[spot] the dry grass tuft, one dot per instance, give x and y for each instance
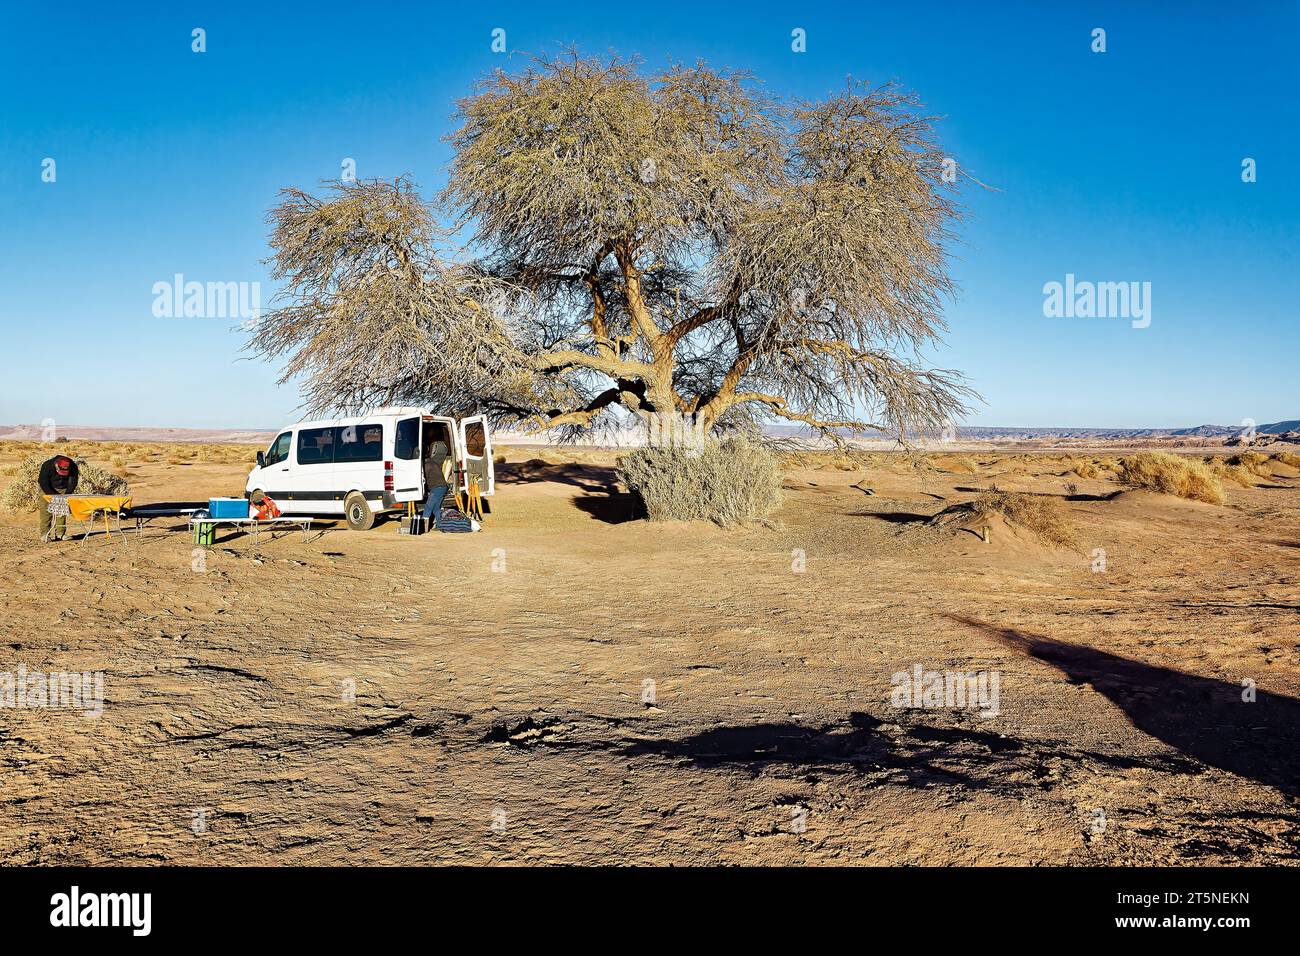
(1287, 458)
(1236, 473)
(1171, 475)
(1252, 461)
(728, 482)
(1041, 514)
(1086, 469)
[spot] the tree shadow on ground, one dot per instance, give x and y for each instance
(916, 755)
(1079, 496)
(893, 517)
(1203, 718)
(593, 478)
(604, 500)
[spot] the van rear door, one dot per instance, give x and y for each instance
(476, 453)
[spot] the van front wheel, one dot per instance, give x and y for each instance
(360, 517)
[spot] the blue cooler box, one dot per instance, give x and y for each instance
(228, 507)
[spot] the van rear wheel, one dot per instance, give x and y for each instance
(359, 515)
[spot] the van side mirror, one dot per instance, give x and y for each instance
(261, 459)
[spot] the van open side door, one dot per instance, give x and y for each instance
(436, 428)
(475, 453)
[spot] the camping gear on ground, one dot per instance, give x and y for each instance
(473, 506)
(412, 522)
(228, 507)
(264, 507)
(85, 508)
(453, 521)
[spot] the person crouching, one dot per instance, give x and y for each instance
(58, 477)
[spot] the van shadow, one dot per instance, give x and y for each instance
(1203, 718)
(603, 499)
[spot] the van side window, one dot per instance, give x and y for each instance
(316, 446)
(279, 450)
(406, 444)
(359, 442)
(475, 439)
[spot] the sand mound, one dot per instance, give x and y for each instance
(965, 528)
(1136, 500)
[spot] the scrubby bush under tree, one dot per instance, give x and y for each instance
(24, 492)
(729, 481)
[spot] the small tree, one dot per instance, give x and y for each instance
(673, 244)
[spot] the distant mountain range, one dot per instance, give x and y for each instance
(968, 432)
(1197, 431)
(1012, 433)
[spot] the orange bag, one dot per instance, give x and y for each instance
(265, 509)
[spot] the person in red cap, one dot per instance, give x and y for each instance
(58, 477)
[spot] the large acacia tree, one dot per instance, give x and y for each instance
(676, 243)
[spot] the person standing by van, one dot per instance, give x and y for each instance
(437, 478)
(58, 477)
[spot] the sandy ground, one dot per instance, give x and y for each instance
(572, 687)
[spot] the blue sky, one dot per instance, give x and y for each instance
(1115, 166)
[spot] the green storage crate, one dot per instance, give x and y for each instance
(205, 534)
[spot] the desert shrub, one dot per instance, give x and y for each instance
(1171, 475)
(728, 482)
(1252, 461)
(1086, 469)
(24, 492)
(1287, 458)
(1239, 474)
(1041, 514)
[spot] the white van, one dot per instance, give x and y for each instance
(359, 467)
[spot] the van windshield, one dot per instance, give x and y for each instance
(279, 450)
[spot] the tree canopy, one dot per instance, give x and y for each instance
(671, 243)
